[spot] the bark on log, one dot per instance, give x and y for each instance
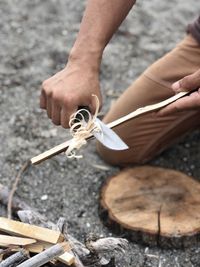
(15, 259)
(152, 205)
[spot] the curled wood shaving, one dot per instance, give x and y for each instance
(82, 124)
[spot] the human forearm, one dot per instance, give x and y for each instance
(72, 87)
(100, 21)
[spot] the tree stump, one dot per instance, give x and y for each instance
(152, 205)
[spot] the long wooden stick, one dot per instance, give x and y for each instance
(16, 258)
(47, 255)
(62, 147)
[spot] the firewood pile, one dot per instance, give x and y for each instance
(35, 241)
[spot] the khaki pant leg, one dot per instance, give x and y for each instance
(148, 135)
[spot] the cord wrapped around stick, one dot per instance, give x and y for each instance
(82, 123)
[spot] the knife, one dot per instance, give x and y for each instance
(108, 137)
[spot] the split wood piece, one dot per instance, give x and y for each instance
(6, 240)
(15, 259)
(48, 255)
(63, 147)
(18, 228)
(153, 205)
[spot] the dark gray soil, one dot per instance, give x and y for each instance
(36, 37)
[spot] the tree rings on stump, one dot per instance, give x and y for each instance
(152, 205)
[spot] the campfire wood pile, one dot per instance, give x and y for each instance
(35, 241)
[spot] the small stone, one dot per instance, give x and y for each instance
(44, 197)
(88, 224)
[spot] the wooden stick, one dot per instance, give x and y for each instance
(62, 147)
(16, 258)
(31, 231)
(14, 188)
(6, 240)
(47, 255)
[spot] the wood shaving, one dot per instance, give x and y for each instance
(82, 128)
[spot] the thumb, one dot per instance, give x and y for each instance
(188, 83)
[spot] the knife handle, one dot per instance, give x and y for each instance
(84, 110)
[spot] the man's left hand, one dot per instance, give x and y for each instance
(192, 101)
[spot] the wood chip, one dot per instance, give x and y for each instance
(22, 229)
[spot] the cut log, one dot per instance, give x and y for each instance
(152, 205)
(6, 240)
(31, 231)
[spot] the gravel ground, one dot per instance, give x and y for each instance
(36, 37)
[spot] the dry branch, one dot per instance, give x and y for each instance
(14, 188)
(47, 255)
(16, 258)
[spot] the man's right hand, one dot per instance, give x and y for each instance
(74, 86)
(69, 89)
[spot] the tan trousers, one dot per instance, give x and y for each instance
(148, 135)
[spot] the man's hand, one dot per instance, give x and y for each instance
(67, 90)
(72, 87)
(188, 83)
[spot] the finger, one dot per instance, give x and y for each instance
(189, 82)
(65, 116)
(49, 106)
(55, 113)
(43, 100)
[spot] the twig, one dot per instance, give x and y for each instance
(45, 256)
(16, 258)
(14, 187)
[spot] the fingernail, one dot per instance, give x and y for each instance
(176, 86)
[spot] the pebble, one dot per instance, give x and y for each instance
(44, 197)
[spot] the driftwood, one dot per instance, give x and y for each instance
(63, 147)
(15, 259)
(88, 255)
(46, 256)
(152, 205)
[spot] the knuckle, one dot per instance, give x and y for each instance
(46, 89)
(45, 84)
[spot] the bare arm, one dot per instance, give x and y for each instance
(72, 87)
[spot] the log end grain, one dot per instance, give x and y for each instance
(152, 205)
